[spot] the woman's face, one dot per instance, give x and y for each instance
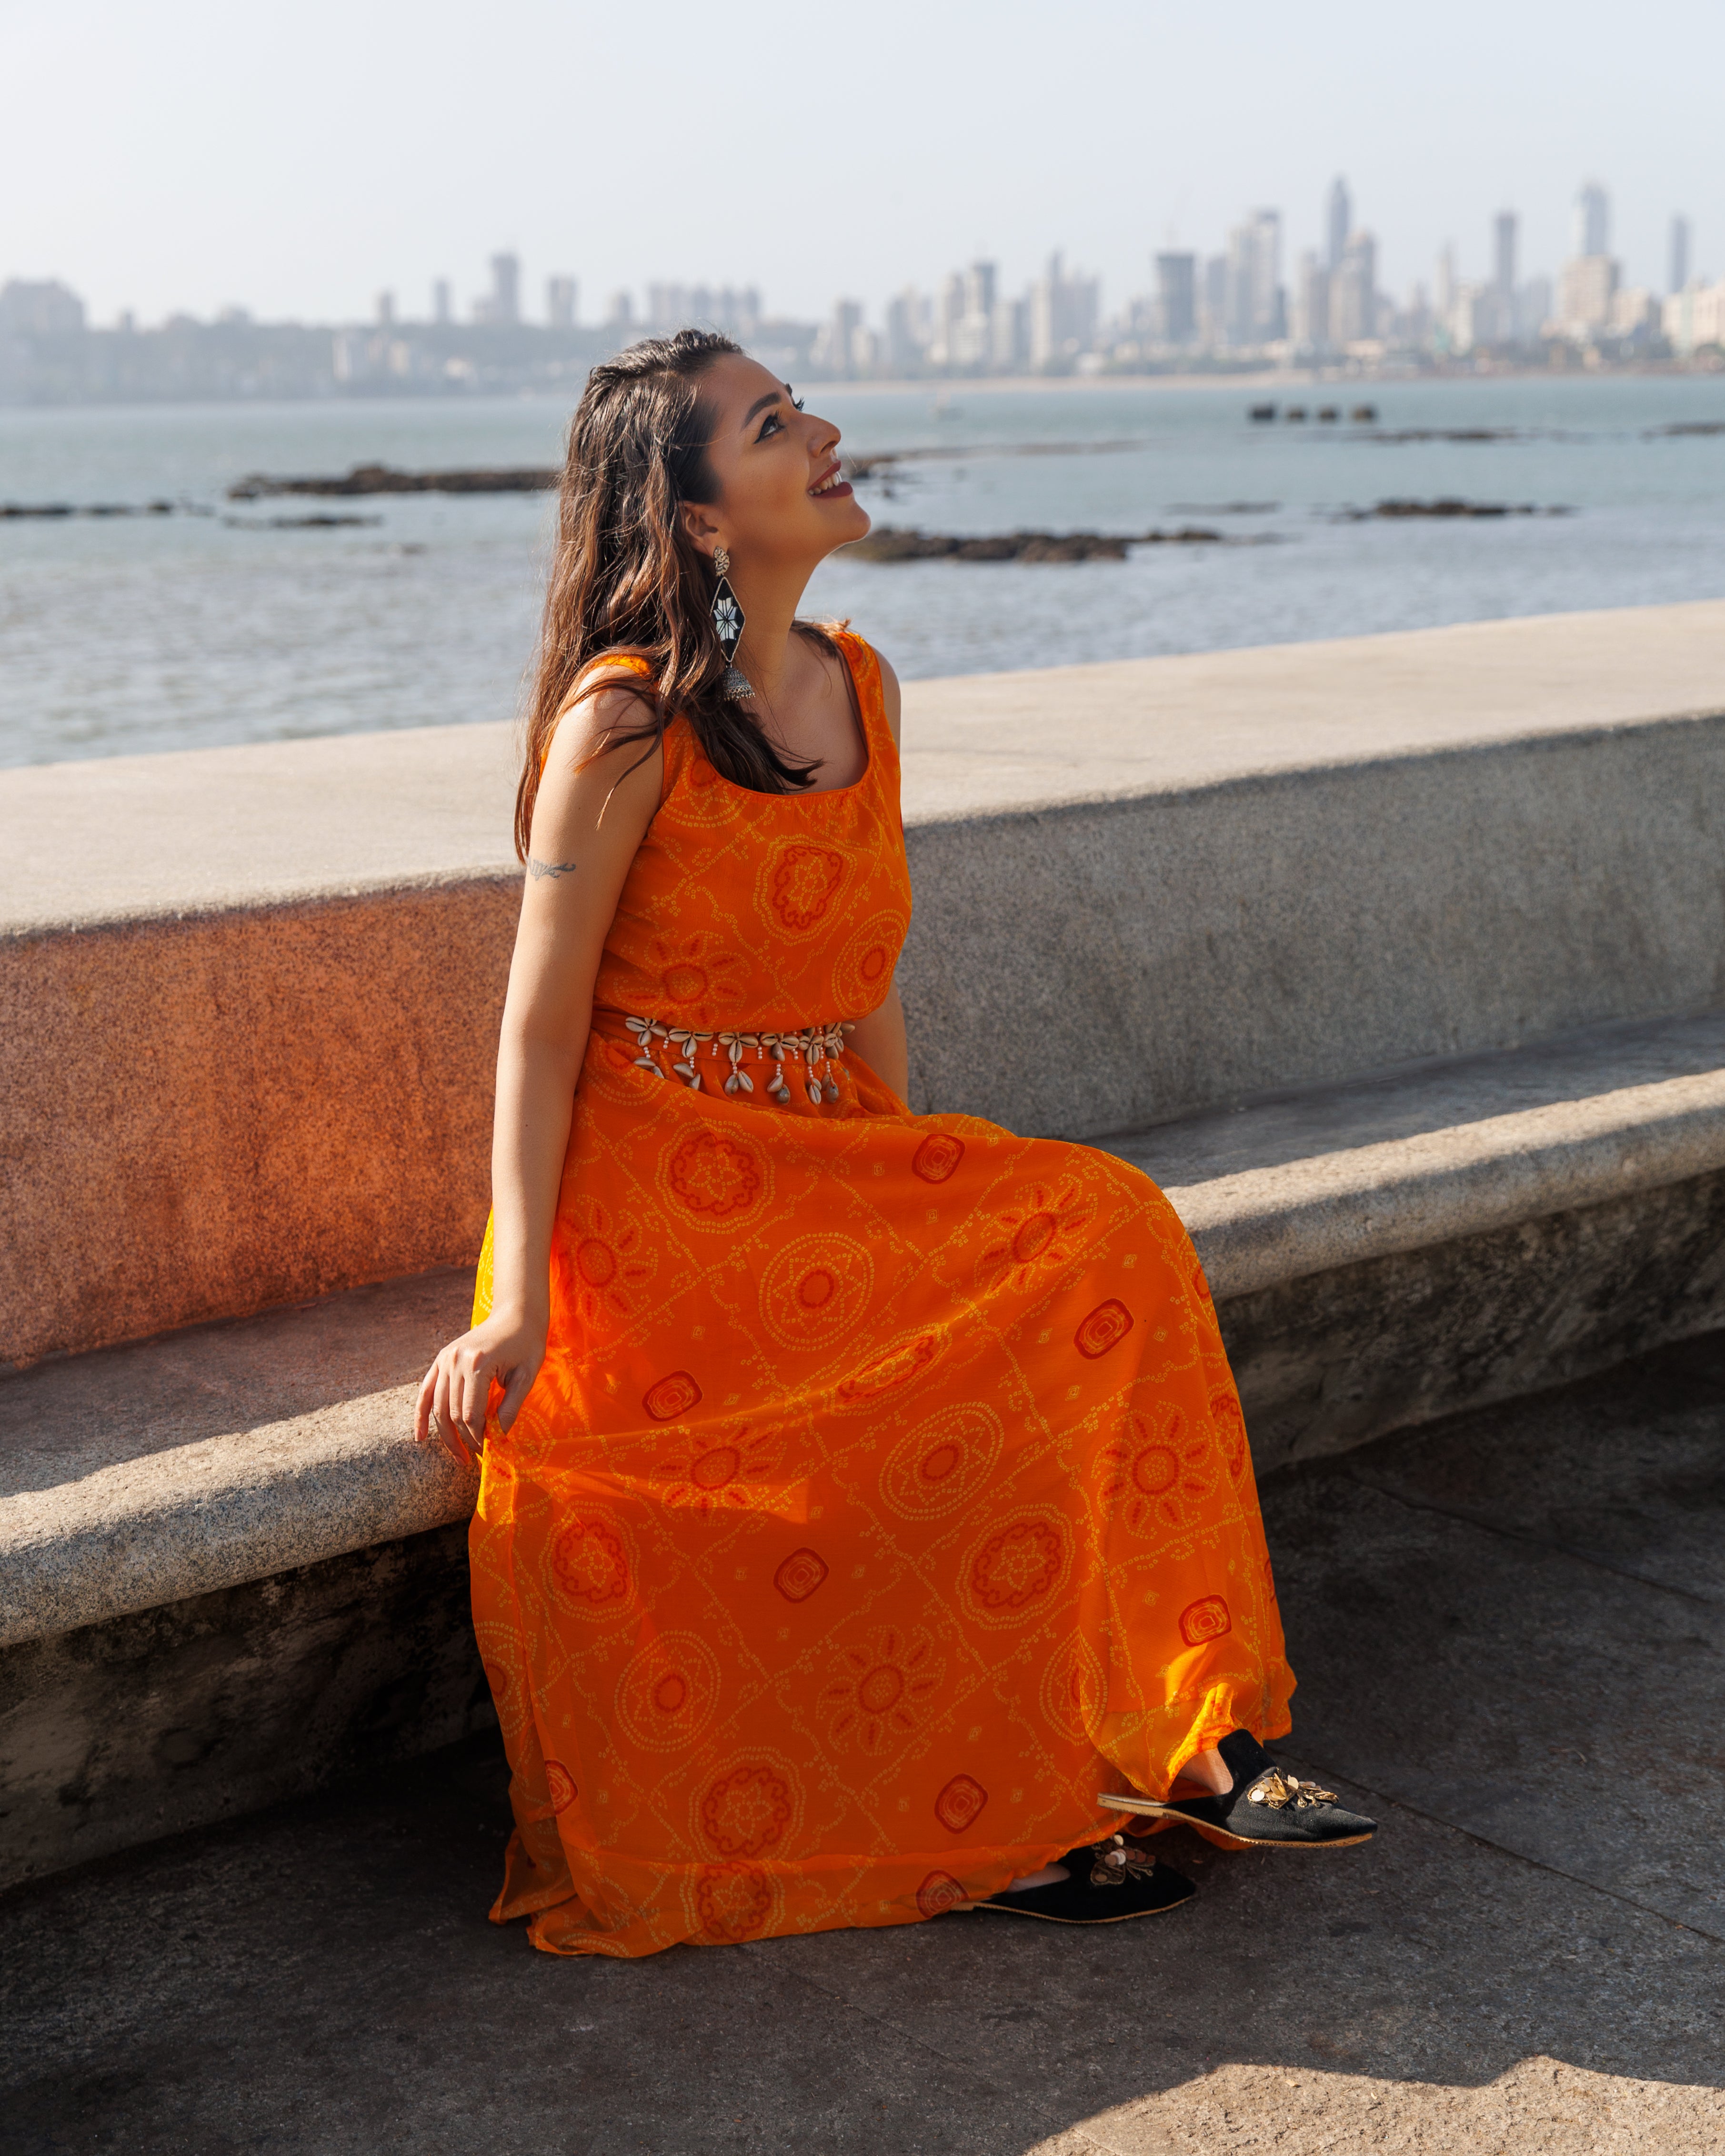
(782, 504)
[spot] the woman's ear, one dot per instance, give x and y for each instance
(701, 525)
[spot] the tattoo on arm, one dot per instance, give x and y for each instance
(538, 869)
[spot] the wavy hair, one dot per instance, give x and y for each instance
(627, 581)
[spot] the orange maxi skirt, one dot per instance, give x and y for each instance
(885, 1497)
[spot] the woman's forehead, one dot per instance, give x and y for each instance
(740, 382)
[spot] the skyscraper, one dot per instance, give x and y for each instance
(1338, 220)
(1255, 307)
(505, 301)
(1592, 226)
(1176, 298)
(1503, 255)
(440, 308)
(560, 302)
(1353, 291)
(1677, 261)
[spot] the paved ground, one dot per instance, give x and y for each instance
(1510, 1630)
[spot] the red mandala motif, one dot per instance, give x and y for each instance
(498, 1679)
(888, 1681)
(716, 1175)
(672, 1395)
(937, 1156)
(747, 1811)
(909, 1359)
(804, 884)
(559, 1785)
(801, 1572)
(1018, 1566)
(939, 1892)
(588, 1564)
(1207, 1619)
(683, 984)
(1106, 1326)
(733, 1900)
(959, 1805)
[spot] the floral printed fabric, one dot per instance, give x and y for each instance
(885, 1495)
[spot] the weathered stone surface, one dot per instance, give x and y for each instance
(228, 1073)
(203, 1709)
(142, 1476)
(321, 1979)
(1330, 1359)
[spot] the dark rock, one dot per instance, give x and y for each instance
(385, 479)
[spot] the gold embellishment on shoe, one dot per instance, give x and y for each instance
(1279, 1791)
(818, 1048)
(1118, 1860)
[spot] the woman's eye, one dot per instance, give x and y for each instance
(772, 424)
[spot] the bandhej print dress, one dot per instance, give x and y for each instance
(885, 1495)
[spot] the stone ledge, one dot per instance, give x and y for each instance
(144, 1474)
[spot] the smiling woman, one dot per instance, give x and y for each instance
(866, 1518)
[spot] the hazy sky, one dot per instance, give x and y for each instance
(295, 160)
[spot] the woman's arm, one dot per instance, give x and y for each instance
(585, 835)
(880, 1038)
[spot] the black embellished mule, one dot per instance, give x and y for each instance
(1266, 1807)
(1107, 1883)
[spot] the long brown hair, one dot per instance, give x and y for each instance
(628, 582)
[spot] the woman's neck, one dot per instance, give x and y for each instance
(764, 655)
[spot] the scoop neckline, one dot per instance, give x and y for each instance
(810, 793)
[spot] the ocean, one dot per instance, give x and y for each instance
(211, 626)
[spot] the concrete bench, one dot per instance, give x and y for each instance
(225, 1575)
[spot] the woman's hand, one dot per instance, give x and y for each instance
(456, 1393)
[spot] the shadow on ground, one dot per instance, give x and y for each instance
(1509, 1630)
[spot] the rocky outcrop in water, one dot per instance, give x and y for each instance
(890, 545)
(385, 479)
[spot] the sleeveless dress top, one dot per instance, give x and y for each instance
(884, 1495)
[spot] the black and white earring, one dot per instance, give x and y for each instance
(727, 626)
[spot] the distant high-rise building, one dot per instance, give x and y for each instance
(1353, 291)
(1504, 228)
(1677, 258)
(1309, 328)
(837, 348)
(386, 311)
(560, 302)
(1444, 285)
(1212, 302)
(974, 336)
(502, 305)
(1591, 226)
(906, 330)
(1338, 220)
(1176, 298)
(1586, 289)
(619, 311)
(1009, 335)
(1063, 315)
(441, 310)
(1254, 294)
(948, 314)
(44, 309)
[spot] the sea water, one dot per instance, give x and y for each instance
(214, 625)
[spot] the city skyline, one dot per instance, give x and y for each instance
(211, 159)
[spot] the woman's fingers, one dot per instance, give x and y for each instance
(422, 1406)
(443, 1409)
(517, 1385)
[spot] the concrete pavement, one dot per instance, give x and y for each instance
(1510, 1632)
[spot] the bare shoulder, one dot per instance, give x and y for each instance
(889, 694)
(602, 754)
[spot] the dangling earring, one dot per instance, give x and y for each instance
(728, 619)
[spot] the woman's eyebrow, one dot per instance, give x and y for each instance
(761, 403)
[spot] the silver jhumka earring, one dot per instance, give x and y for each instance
(728, 620)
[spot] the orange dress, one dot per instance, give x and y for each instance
(885, 1495)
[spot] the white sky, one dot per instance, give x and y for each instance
(294, 160)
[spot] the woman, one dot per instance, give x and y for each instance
(867, 1521)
